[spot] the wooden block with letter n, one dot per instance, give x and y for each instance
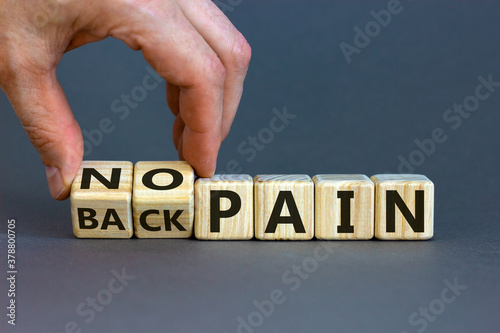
(344, 206)
(284, 207)
(224, 207)
(163, 199)
(101, 195)
(404, 207)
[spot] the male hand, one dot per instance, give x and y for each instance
(190, 43)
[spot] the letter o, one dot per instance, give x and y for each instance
(471, 103)
(310, 268)
(139, 93)
(41, 19)
(177, 179)
(440, 305)
(101, 294)
(268, 133)
(413, 157)
(259, 319)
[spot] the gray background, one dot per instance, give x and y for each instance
(351, 118)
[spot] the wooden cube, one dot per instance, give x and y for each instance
(284, 207)
(344, 207)
(101, 197)
(224, 207)
(404, 207)
(163, 199)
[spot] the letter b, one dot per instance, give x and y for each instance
(266, 307)
(383, 17)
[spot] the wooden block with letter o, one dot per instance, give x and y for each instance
(404, 207)
(101, 195)
(343, 207)
(284, 207)
(163, 199)
(224, 207)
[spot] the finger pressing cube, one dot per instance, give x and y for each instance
(163, 199)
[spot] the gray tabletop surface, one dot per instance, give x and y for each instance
(363, 116)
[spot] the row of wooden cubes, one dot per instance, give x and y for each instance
(163, 200)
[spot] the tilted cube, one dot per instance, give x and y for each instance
(101, 200)
(163, 199)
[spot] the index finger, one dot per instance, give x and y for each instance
(181, 56)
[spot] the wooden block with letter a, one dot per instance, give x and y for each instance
(344, 207)
(163, 199)
(224, 207)
(284, 207)
(101, 195)
(404, 207)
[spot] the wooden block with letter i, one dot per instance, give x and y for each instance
(224, 207)
(404, 207)
(101, 197)
(284, 207)
(344, 207)
(163, 199)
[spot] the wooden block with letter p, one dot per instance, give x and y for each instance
(284, 207)
(101, 197)
(344, 207)
(163, 199)
(224, 207)
(404, 207)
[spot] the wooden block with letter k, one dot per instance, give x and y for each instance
(163, 199)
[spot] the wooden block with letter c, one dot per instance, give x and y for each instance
(163, 199)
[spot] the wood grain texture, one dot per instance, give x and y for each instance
(99, 198)
(239, 226)
(405, 185)
(178, 200)
(328, 206)
(267, 189)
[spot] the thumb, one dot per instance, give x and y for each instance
(43, 109)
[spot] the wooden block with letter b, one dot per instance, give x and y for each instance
(284, 207)
(101, 195)
(344, 207)
(224, 207)
(404, 207)
(163, 199)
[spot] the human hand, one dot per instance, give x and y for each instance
(190, 43)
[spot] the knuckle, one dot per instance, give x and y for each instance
(241, 53)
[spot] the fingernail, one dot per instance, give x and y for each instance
(55, 181)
